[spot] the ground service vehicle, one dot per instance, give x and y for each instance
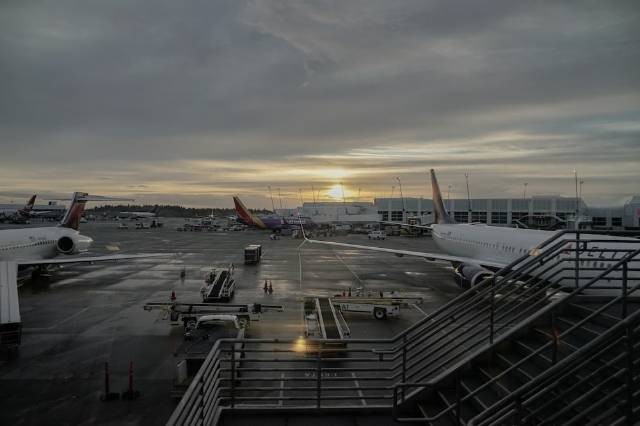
(252, 254)
(377, 235)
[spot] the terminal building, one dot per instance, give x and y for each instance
(335, 212)
(544, 212)
(540, 211)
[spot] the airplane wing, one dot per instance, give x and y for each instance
(433, 257)
(88, 259)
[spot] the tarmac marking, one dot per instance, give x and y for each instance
(69, 318)
(420, 310)
(360, 394)
(300, 268)
(348, 268)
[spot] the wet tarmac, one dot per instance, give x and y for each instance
(91, 314)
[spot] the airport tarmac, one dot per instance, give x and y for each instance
(91, 314)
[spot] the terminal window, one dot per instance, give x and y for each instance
(616, 221)
(461, 217)
(479, 217)
(599, 221)
(383, 215)
(396, 216)
(498, 217)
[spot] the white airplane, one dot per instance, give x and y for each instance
(140, 215)
(43, 246)
(478, 250)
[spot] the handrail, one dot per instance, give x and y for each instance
(562, 365)
(524, 323)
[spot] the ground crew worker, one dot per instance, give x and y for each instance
(381, 294)
(266, 287)
(270, 288)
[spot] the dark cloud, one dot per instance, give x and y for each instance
(136, 91)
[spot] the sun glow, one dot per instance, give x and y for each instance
(336, 192)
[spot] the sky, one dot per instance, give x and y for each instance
(191, 102)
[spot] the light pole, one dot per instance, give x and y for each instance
(402, 197)
(466, 178)
(577, 218)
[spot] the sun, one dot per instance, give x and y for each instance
(335, 192)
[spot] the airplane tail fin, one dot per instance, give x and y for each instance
(246, 215)
(441, 215)
(72, 216)
(29, 206)
(31, 202)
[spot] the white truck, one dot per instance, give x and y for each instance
(377, 235)
(379, 311)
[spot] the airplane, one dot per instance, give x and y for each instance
(43, 247)
(16, 215)
(141, 215)
(272, 221)
(477, 250)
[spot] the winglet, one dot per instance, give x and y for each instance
(438, 205)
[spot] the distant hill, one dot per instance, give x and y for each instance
(162, 210)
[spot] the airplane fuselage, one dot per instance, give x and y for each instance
(502, 245)
(41, 243)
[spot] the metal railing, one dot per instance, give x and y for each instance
(550, 348)
(276, 374)
(608, 366)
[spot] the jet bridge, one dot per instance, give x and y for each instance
(10, 322)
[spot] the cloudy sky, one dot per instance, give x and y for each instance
(193, 101)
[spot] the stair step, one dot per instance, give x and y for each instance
(483, 399)
(525, 372)
(467, 411)
(603, 319)
(505, 384)
(590, 328)
(607, 417)
(430, 409)
(526, 348)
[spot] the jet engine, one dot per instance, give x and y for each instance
(469, 275)
(73, 244)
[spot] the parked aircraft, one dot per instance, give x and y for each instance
(140, 215)
(271, 221)
(42, 247)
(18, 215)
(477, 250)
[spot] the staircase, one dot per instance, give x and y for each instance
(580, 368)
(494, 355)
